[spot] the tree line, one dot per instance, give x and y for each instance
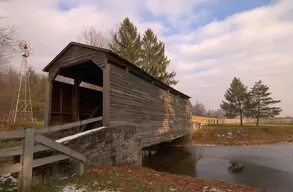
(9, 80)
(199, 109)
(255, 103)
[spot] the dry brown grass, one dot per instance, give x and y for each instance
(247, 135)
(140, 179)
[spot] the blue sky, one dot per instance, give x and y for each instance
(208, 41)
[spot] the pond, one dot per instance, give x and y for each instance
(266, 167)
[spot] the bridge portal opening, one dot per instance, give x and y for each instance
(77, 94)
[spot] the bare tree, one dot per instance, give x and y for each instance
(199, 109)
(94, 37)
(8, 41)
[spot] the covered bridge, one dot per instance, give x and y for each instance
(101, 83)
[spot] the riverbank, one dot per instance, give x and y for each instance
(247, 135)
(138, 179)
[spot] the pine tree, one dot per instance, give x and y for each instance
(153, 59)
(126, 42)
(236, 97)
(260, 102)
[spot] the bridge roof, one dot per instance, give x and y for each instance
(138, 71)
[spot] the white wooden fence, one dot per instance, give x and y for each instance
(34, 141)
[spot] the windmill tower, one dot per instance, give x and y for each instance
(21, 108)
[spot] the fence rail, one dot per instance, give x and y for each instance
(199, 119)
(34, 141)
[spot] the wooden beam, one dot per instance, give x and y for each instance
(19, 185)
(11, 151)
(48, 103)
(106, 94)
(76, 100)
(39, 148)
(61, 104)
(59, 147)
(80, 167)
(67, 126)
(48, 160)
(27, 171)
(14, 168)
(12, 135)
(91, 116)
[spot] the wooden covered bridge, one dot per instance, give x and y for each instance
(110, 110)
(101, 83)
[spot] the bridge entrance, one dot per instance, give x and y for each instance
(77, 94)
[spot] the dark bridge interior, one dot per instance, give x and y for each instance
(79, 96)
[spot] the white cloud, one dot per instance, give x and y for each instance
(252, 45)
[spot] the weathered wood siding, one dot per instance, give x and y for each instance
(158, 114)
(75, 55)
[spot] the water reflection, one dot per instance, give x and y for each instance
(219, 164)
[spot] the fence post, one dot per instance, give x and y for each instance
(80, 167)
(27, 166)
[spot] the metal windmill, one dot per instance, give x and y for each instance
(21, 107)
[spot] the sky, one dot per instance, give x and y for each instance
(209, 42)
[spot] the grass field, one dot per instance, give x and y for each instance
(249, 134)
(39, 124)
(237, 126)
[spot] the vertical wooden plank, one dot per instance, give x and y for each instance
(76, 100)
(61, 105)
(28, 159)
(48, 103)
(80, 168)
(106, 93)
(76, 116)
(20, 173)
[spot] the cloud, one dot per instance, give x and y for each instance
(255, 44)
(252, 45)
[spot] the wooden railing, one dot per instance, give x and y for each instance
(33, 141)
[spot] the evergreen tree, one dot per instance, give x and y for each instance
(236, 97)
(260, 102)
(126, 42)
(154, 60)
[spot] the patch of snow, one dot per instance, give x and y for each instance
(202, 145)
(213, 189)
(9, 182)
(71, 137)
(7, 177)
(73, 188)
